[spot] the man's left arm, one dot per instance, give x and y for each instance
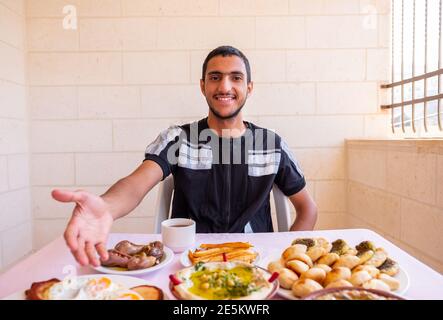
(306, 211)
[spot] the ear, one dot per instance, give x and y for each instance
(250, 88)
(202, 86)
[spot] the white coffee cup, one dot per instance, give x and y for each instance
(178, 234)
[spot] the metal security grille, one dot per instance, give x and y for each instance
(416, 90)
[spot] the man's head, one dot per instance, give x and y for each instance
(226, 81)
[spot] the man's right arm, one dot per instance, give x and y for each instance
(126, 194)
(92, 217)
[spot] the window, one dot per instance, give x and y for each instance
(416, 88)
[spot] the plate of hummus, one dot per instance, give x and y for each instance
(232, 280)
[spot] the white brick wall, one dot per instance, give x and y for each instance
(135, 135)
(253, 7)
(53, 102)
(326, 65)
(99, 94)
(48, 35)
(15, 199)
(75, 68)
(71, 136)
(57, 169)
(104, 168)
(85, 8)
(14, 96)
(109, 102)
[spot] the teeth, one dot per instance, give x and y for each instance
(225, 99)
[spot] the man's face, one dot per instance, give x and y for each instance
(225, 86)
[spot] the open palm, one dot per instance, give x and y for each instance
(89, 226)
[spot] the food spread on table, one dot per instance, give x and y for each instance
(130, 256)
(311, 264)
(223, 281)
(309, 267)
(228, 251)
(94, 288)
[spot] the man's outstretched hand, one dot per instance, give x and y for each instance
(89, 226)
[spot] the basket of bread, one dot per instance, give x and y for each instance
(312, 264)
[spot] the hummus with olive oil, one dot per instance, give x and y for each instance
(223, 281)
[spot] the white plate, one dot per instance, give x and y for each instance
(266, 273)
(166, 259)
(401, 276)
(128, 282)
(184, 259)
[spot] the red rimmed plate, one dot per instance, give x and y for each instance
(268, 275)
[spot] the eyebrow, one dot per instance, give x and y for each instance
(232, 73)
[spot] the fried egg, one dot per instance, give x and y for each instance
(91, 289)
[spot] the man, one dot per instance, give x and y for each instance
(223, 168)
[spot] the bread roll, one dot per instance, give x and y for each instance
(316, 274)
(339, 283)
(302, 257)
(337, 273)
(352, 252)
(360, 277)
(275, 266)
(393, 283)
(325, 244)
(316, 252)
(390, 267)
(324, 267)
(365, 256)
(376, 284)
(287, 278)
(296, 248)
(297, 266)
(378, 258)
(348, 261)
(303, 287)
(328, 259)
(373, 271)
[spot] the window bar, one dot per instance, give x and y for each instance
(402, 66)
(416, 78)
(426, 67)
(413, 67)
(439, 66)
(392, 65)
(416, 101)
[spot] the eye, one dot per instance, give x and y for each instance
(237, 78)
(214, 77)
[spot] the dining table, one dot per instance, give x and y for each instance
(55, 260)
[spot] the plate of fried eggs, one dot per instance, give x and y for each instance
(88, 287)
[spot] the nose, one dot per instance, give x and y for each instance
(224, 85)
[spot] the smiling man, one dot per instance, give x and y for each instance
(224, 169)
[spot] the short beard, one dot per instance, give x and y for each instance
(230, 116)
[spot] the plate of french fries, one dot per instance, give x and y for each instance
(218, 252)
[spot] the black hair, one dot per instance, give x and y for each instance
(225, 51)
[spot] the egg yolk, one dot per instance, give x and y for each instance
(99, 284)
(129, 296)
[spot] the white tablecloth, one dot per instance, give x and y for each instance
(56, 261)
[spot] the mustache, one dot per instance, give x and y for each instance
(229, 116)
